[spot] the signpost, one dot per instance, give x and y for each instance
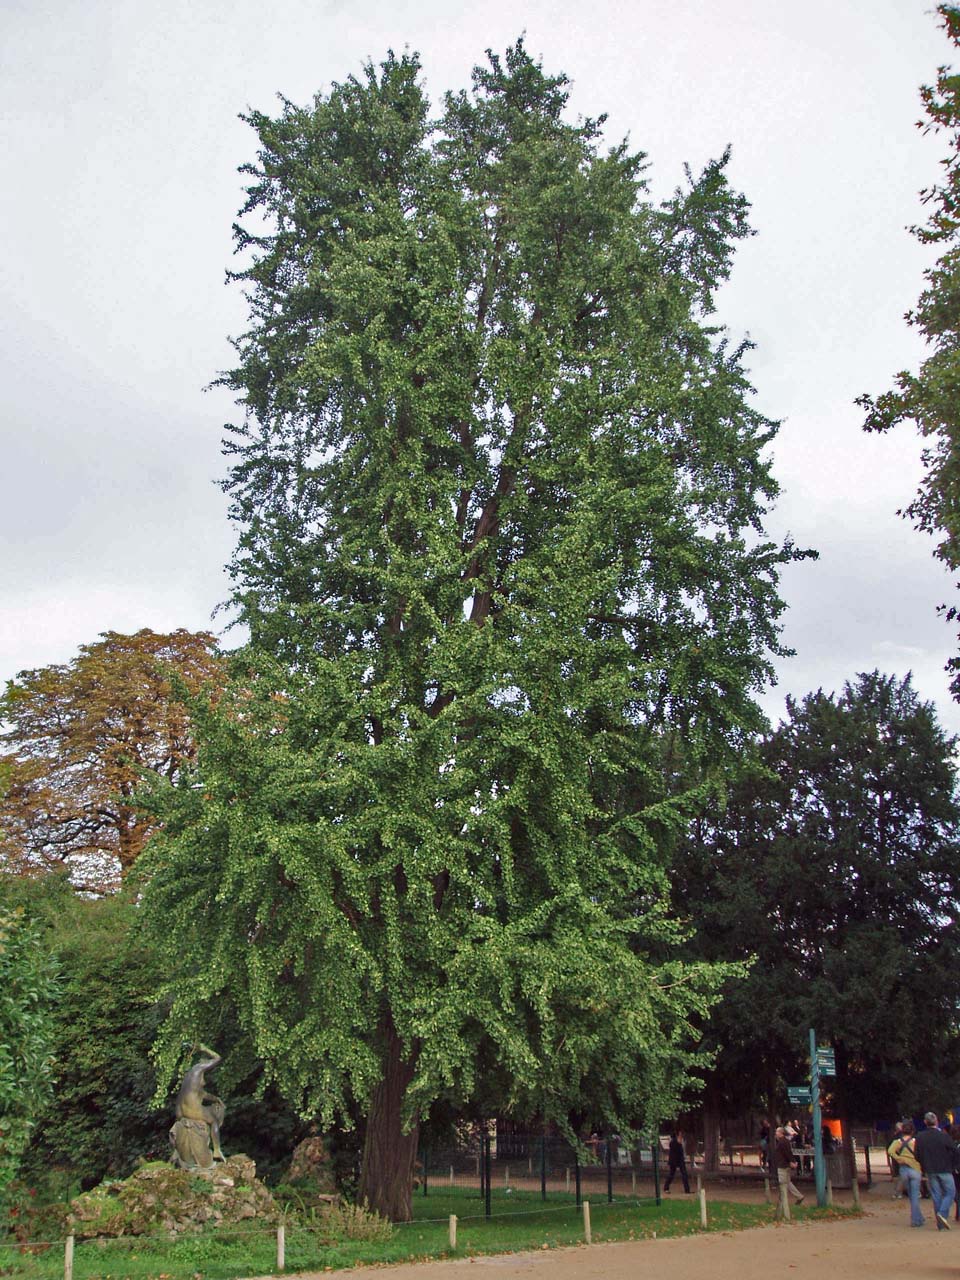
(798, 1095)
(822, 1062)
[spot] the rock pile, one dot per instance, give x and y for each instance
(161, 1199)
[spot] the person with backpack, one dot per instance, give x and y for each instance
(937, 1153)
(903, 1155)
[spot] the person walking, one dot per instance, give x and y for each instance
(894, 1168)
(903, 1156)
(783, 1158)
(677, 1161)
(954, 1132)
(936, 1152)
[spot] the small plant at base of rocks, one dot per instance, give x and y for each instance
(354, 1222)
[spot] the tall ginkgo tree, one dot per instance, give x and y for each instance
(499, 492)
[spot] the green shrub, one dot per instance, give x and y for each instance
(28, 991)
(354, 1222)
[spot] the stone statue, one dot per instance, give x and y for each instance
(199, 1117)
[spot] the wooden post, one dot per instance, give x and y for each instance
(703, 1205)
(68, 1259)
(587, 1235)
(568, 1179)
(281, 1247)
(506, 1176)
(633, 1182)
(829, 1193)
(855, 1188)
(766, 1190)
(453, 1231)
(451, 1175)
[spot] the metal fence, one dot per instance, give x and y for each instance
(497, 1164)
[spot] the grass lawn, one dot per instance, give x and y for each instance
(520, 1220)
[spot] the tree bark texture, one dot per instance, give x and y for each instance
(389, 1152)
(711, 1133)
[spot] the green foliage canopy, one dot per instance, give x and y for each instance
(931, 397)
(500, 495)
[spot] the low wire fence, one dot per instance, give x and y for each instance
(488, 1187)
(459, 1227)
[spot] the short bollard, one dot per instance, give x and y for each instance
(829, 1193)
(453, 1231)
(506, 1176)
(703, 1206)
(568, 1179)
(68, 1259)
(451, 1175)
(281, 1247)
(766, 1190)
(633, 1182)
(587, 1235)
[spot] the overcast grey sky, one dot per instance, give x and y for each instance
(121, 143)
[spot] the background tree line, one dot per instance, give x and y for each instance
(829, 866)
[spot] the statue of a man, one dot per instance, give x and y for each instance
(199, 1117)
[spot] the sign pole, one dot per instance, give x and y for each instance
(819, 1166)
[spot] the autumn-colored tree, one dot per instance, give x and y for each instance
(78, 739)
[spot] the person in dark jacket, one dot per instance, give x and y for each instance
(783, 1159)
(937, 1155)
(677, 1161)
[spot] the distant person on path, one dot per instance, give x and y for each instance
(937, 1153)
(894, 1172)
(677, 1161)
(783, 1159)
(764, 1145)
(903, 1156)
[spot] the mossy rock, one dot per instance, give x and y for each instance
(159, 1198)
(311, 1167)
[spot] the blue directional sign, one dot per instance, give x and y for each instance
(826, 1061)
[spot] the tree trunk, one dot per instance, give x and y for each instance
(711, 1132)
(389, 1153)
(842, 1105)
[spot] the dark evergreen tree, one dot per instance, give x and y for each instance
(837, 864)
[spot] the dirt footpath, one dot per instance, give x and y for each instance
(879, 1246)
